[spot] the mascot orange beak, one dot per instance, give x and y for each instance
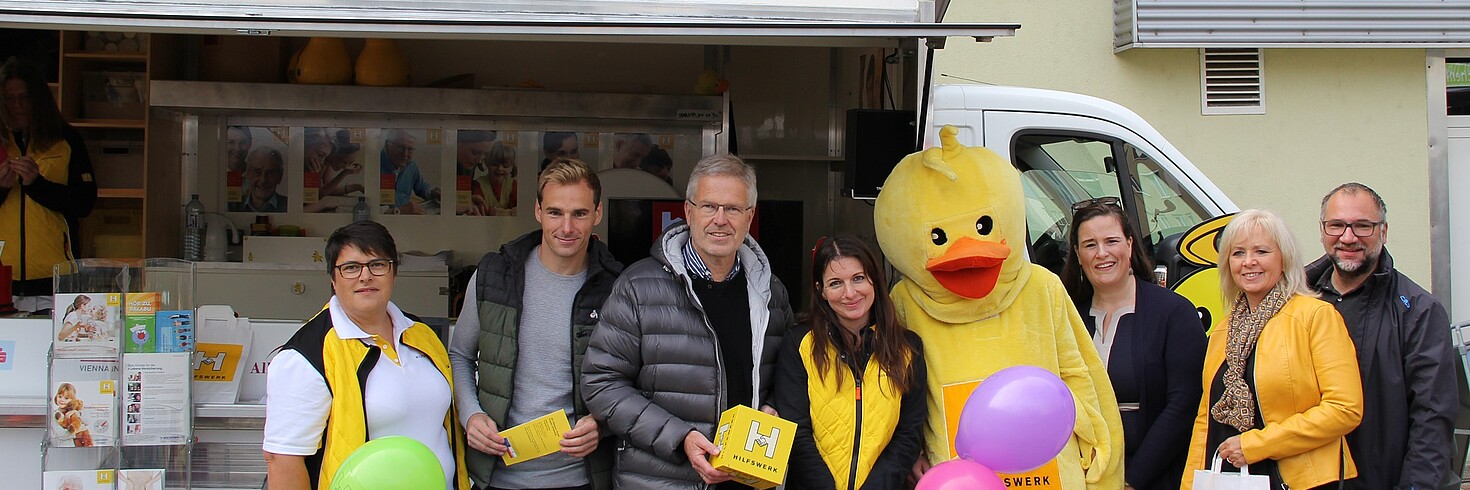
(970, 267)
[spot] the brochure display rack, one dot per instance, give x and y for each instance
(119, 412)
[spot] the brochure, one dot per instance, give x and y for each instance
(139, 321)
(151, 479)
(156, 399)
(86, 324)
(84, 394)
(536, 438)
(175, 329)
(78, 480)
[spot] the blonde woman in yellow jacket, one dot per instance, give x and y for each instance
(1281, 375)
(852, 380)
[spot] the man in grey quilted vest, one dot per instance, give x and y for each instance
(686, 334)
(517, 349)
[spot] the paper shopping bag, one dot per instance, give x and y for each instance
(1214, 479)
(222, 345)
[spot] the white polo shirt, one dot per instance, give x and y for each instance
(409, 398)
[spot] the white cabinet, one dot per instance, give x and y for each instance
(296, 292)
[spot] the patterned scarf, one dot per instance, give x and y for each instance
(1237, 406)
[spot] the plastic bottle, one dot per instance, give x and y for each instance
(360, 211)
(194, 229)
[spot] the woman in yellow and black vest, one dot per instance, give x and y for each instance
(361, 369)
(45, 183)
(852, 380)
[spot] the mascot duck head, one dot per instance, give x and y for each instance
(951, 219)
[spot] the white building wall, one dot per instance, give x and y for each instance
(1332, 115)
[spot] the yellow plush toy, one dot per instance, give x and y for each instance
(951, 219)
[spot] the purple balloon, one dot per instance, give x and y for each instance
(1016, 420)
(959, 474)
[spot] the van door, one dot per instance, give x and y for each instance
(1066, 159)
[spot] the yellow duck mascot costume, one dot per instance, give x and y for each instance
(952, 220)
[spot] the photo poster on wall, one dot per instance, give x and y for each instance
(408, 170)
(255, 160)
(486, 172)
(653, 153)
(579, 145)
(332, 164)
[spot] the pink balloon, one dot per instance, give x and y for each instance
(1016, 420)
(959, 474)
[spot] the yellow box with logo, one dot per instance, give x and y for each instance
(754, 446)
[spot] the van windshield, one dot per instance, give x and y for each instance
(1049, 197)
(1059, 169)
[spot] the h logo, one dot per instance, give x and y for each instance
(216, 363)
(755, 438)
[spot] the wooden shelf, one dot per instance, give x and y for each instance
(109, 123)
(119, 224)
(120, 193)
(133, 56)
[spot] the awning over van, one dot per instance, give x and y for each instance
(741, 22)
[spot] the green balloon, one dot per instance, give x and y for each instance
(393, 462)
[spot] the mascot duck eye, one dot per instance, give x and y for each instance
(950, 219)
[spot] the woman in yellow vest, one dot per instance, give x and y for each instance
(852, 379)
(359, 370)
(45, 184)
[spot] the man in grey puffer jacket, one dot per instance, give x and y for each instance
(687, 333)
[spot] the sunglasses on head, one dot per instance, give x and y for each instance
(1098, 201)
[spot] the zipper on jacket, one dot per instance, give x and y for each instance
(719, 358)
(720, 393)
(857, 433)
(724, 391)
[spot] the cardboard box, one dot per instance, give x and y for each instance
(286, 250)
(113, 232)
(117, 164)
(117, 246)
(114, 95)
(754, 446)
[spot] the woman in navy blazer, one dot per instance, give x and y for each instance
(1150, 338)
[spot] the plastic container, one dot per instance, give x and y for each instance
(218, 230)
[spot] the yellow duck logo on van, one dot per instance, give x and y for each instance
(1202, 287)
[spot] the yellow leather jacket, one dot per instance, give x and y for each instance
(1309, 390)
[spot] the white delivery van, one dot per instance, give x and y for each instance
(1072, 147)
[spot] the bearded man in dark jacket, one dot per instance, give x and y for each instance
(1404, 351)
(686, 334)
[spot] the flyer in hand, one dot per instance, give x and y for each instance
(536, 438)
